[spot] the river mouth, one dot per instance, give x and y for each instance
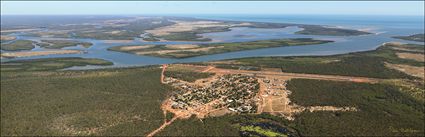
(342, 44)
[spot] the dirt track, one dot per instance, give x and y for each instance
(295, 75)
(164, 66)
(166, 123)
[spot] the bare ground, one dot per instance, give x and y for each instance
(413, 56)
(410, 70)
(7, 38)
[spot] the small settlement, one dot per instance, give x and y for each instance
(235, 92)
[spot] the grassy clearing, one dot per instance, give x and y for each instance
(207, 49)
(113, 102)
(18, 45)
(261, 131)
(58, 44)
(383, 109)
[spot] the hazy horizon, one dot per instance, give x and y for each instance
(397, 8)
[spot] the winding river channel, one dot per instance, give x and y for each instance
(383, 28)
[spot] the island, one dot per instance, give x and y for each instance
(18, 45)
(58, 44)
(329, 31)
(192, 50)
(415, 37)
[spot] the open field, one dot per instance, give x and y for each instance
(415, 37)
(414, 56)
(189, 50)
(410, 70)
(58, 44)
(18, 45)
(38, 53)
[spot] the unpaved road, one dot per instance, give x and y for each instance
(166, 123)
(164, 66)
(296, 75)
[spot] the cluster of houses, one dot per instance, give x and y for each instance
(235, 92)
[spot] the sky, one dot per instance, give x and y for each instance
(211, 7)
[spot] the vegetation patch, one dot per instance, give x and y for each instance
(18, 45)
(58, 44)
(415, 88)
(123, 104)
(382, 109)
(263, 129)
(87, 123)
(321, 30)
(415, 37)
(170, 51)
(49, 64)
